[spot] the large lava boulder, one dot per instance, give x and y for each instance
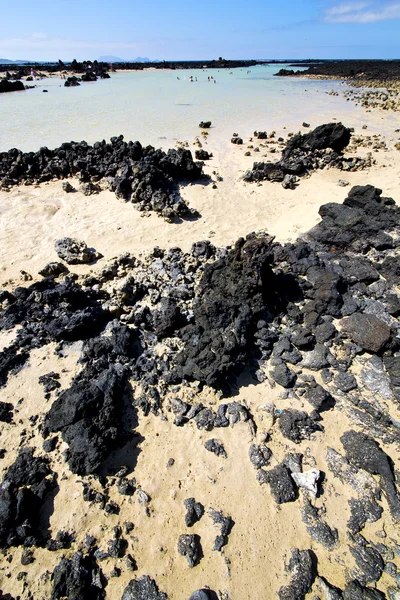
(233, 294)
(11, 86)
(331, 135)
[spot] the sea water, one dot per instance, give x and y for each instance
(161, 107)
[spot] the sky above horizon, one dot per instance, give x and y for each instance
(182, 30)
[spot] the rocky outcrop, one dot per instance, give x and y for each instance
(144, 176)
(26, 489)
(11, 86)
(144, 588)
(77, 578)
(319, 149)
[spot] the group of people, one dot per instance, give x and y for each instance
(209, 79)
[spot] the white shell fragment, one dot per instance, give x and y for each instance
(308, 480)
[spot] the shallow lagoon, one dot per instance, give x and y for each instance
(162, 107)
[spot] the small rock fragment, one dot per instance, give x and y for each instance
(216, 447)
(189, 546)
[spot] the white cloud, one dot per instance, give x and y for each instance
(345, 9)
(362, 12)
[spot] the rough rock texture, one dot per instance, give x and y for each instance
(361, 222)
(296, 425)
(154, 330)
(317, 149)
(90, 414)
(259, 455)
(216, 447)
(281, 484)
(144, 176)
(194, 511)
(364, 453)
(225, 523)
(318, 529)
(190, 547)
(25, 492)
(74, 251)
(355, 591)
(78, 578)
(367, 331)
(233, 294)
(144, 588)
(302, 567)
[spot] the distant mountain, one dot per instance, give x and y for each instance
(116, 59)
(5, 61)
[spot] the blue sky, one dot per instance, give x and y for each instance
(183, 29)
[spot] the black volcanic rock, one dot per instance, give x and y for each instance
(281, 483)
(90, 414)
(190, 547)
(6, 412)
(11, 86)
(303, 569)
(304, 153)
(367, 331)
(144, 588)
(74, 251)
(355, 223)
(332, 135)
(72, 81)
(194, 511)
(233, 294)
(78, 578)
(296, 425)
(364, 453)
(27, 487)
(381, 70)
(144, 176)
(225, 523)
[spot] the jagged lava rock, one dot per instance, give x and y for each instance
(303, 569)
(74, 251)
(233, 293)
(27, 485)
(330, 135)
(78, 578)
(89, 417)
(367, 331)
(364, 453)
(144, 588)
(190, 547)
(281, 484)
(194, 511)
(358, 223)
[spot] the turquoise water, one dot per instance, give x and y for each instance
(157, 108)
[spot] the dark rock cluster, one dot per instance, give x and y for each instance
(373, 70)
(25, 491)
(11, 86)
(144, 176)
(77, 578)
(321, 148)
